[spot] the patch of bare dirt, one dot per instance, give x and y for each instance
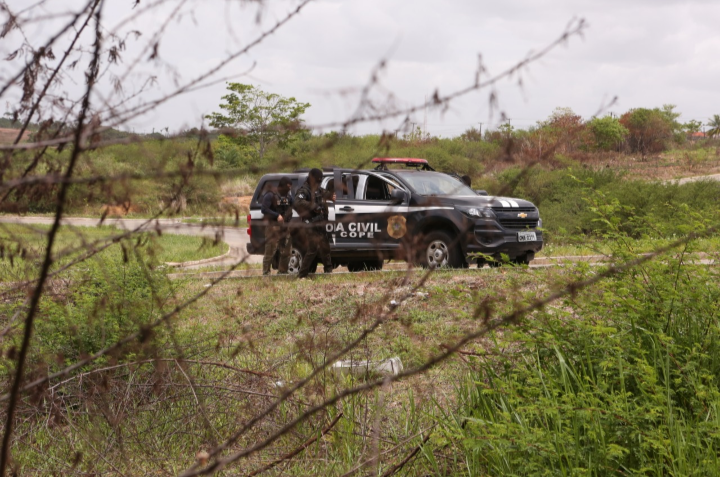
(119, 210)
(239, 204)
(7, 135)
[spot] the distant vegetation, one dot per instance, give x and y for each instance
(552, 164)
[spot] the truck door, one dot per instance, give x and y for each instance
(361, 222)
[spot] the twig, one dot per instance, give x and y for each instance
(393, 449)
(298, 450)
(509, 319)
(47, 262)
(407, 458)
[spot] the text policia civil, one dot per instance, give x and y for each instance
(354, 229)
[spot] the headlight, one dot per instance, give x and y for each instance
(477, 212)
(539, 223)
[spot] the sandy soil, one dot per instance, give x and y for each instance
(7, 136)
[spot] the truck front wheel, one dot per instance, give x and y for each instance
(440, 251)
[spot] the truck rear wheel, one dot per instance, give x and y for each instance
(296, 258)
(441, 251)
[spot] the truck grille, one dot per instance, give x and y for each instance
(514, 209)
(519, 224)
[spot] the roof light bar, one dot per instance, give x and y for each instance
(382, 162)
(399, 160)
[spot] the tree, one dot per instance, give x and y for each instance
(693, 126)
(472, 135)
(562, 132)
(258, 119)
(650, 130)
(607, 134)
(714, 125)
(671, 117)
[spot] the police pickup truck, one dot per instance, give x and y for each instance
(415, 213)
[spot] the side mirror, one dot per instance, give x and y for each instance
(481, 192)
(398, 196)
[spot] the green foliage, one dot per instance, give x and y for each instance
(714, 125)
(193, 193)
(258, 118)
(623, 378)
(607, 133)
(560, 196)
(692, 126)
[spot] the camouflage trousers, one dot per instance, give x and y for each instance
(317, 244)
(276, 237)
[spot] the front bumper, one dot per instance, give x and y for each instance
(495, 241)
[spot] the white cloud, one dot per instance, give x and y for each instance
(646, 52)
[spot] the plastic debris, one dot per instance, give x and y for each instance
(394, 303)
(388, 367)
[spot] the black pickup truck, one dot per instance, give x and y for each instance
(417, 214)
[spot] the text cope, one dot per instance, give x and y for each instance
(353, 229)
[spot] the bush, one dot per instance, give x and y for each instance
(650, 130)
(622, 379)
(608, 134)
(649, 207)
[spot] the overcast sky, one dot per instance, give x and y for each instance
(645, 52)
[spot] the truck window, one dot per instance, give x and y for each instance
(376, 189)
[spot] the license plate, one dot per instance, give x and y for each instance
(527, 237)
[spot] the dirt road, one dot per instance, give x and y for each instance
(237, 239)
(685, 180)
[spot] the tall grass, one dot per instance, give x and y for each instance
(622, 379)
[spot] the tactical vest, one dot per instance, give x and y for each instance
(283, 204)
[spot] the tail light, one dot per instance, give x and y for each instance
(249, 217)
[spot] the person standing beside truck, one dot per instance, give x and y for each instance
(311, 205)
(276, 207)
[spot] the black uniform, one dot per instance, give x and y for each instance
(276, 234)
(313, 210)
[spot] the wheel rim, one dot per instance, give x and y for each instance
(295, 261)
(437, 254)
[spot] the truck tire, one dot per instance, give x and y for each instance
(524, 259)
(441, 251)
(296, 258)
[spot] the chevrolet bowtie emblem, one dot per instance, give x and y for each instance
(522, 215)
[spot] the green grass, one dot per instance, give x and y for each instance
(26, 245)
(285, 327)
(606, 247)
(621, 378)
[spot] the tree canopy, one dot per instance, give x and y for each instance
(254, 119)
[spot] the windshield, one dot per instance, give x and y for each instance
(435, 183)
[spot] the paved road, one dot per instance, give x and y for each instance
(236, 238)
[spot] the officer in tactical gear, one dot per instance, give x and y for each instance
(311, 205)
(276, 207)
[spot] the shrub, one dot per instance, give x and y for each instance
(622, 379)
(608, 134)
(650, 130)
